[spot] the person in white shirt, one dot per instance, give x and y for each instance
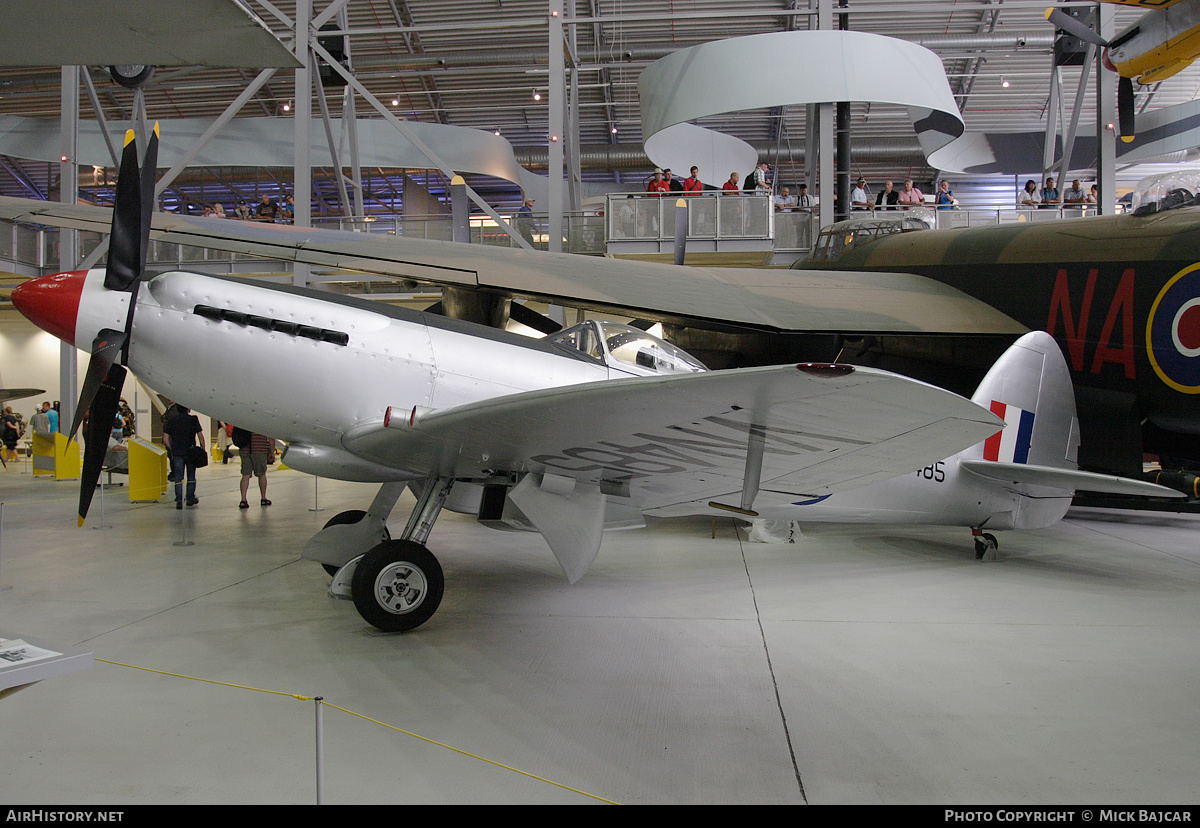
(860, 199)
(804, 200)
(785, 200)
(1075, 195)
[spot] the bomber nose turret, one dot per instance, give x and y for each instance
(52, 302)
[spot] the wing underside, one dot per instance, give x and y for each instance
(722, 298)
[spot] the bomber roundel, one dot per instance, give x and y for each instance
(1173, 332)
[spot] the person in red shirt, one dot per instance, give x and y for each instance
(659, 184)
(691, 184)
(731, 184)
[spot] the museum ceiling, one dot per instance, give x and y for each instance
(480, 64)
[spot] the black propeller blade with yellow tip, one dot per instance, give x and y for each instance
(1084, 32)
(128, 246)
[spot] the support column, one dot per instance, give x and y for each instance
(557, 110)
(825, 132)
(68, 240)
(1106, 121)
(302, 179)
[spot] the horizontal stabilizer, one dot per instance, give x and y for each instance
(1067, 479)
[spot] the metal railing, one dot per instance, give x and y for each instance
(714, 216)
(730, 216)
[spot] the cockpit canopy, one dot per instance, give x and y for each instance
(627, 349)
(1168, 191)
(835, 240)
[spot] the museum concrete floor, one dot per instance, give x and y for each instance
(862, 665)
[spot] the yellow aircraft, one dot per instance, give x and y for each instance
(1163, 42)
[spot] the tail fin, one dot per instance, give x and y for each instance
(1030, 388)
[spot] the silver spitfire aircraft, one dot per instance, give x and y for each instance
(590, 428)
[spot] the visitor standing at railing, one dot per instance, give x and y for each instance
(732, 184)
(911, 196)
(1028, 197)
(525, 220)
(805, 201)
(659, 184)
(672, 183)
(945, 196)
(887, 197)
(860, 196)
(1075, 196)
(785, 200)
(692, 184)
(1050, 195)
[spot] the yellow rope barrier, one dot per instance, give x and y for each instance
(369, 719)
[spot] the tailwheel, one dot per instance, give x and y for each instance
(985, 547)
(397, 586)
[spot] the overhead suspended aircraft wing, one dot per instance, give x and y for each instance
(716, 298)
(667, 441)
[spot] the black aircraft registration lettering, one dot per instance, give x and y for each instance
(672, 454)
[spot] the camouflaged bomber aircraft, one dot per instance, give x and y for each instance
(1120, 294)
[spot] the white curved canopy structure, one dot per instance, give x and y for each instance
(788, 68)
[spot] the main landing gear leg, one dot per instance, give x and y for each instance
(985, 545)
(398, 585)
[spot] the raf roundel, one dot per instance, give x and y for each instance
(1173, 332)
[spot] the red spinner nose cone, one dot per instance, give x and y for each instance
(51, 302)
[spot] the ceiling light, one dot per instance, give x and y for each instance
(395, 101)
(537, 96)
(1004, 82)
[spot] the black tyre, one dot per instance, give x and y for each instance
(131, 77)
(397, 586)
(341, 519)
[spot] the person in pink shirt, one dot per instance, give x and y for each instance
(910, 195)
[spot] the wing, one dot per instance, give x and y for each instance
(716, 298)
(678, 445)
(669, 443)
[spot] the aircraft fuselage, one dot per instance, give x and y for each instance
(306, 369)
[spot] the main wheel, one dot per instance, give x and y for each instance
(342, 519)
(397, 586)
(129, 76)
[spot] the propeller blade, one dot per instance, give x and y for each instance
(1125, 108)
(105, 349)
(101, 416)
(148, 180)
(532, 319)
(124, 253)
(1075, 27)
(680, 229)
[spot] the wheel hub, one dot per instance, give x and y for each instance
(400, 587)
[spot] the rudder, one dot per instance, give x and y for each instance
(1030, 388)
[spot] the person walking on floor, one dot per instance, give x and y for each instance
(257, 452)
